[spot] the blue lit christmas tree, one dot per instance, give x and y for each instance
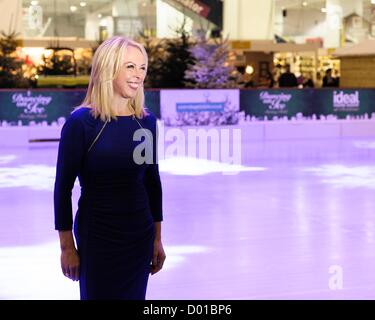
(211, 68)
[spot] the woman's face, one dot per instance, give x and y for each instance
(132, 74)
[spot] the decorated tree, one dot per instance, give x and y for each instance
(58, 61)
(210, 68)
(177, 57)
(11, 73)
(156, 56)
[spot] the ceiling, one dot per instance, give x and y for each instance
(318, 4)
(92, 6)
(295, 4)
(63, 6)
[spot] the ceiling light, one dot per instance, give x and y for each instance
(304, 3)
(73, 8)
(82, 4)
(34, 3)
(324, 10)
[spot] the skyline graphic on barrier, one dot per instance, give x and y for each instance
(197, 107)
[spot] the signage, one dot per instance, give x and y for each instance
(199, 106)
(196, 6)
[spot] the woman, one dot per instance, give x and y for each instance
(118, 222)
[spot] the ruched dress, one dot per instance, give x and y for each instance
(119, 203)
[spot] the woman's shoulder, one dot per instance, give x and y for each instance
(149, 117)
(83, 115)
(81, 112)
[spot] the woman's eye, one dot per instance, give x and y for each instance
(130, 66)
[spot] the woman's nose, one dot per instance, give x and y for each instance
(138, 73)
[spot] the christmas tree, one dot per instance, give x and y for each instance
(156, 56)
(11, 73)
(177, 57)
(210, 68)
(61, 61)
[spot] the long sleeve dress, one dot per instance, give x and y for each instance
(120, 201)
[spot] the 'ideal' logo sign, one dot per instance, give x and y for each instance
(346, 100)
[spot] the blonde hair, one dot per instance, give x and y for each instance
(106, 65)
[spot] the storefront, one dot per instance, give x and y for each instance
(96, 20)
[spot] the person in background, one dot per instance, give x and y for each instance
(240, 72)
(329, 80)
(308, 83)
(266, 81)
(319, 80)
(288, 79)
(336, 77)
(249, 83)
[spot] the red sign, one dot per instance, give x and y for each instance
(315, 40)
(196, 6)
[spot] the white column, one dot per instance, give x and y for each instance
(92, 26)
(249, 19)
(231, 21)
(334, 15)
(128, 8)
(279, 21)
(11, 19)
(93, 22)
(108, 23)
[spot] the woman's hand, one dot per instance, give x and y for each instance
(70, 263)
(158, 258)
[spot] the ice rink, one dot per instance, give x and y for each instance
(296, 221)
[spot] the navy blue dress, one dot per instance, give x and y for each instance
(120, 201)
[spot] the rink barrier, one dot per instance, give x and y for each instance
(13, 136)
(46, 107)
(36, 117)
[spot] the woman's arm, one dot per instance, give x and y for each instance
(155, 196)
(69, 159)
(154, 191)
(69, 255)
(152, 180)
(159, 254)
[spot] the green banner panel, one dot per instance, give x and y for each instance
(24, 107)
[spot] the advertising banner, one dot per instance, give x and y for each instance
(344, 102)
(24, 107)
(27, 107)
(199, 106)
(272, 104)
(280, 103)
